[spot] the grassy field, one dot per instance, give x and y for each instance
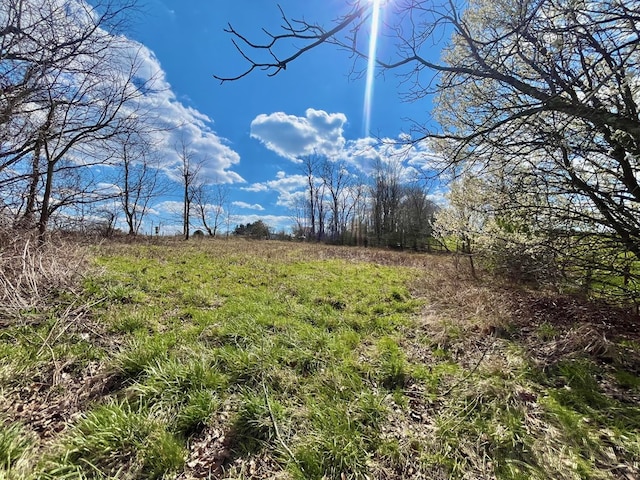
(238, 359)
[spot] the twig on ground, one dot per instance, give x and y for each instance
(277, 430)
(473, 370)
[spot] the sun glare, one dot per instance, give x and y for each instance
(371, 64)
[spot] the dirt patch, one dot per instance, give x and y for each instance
(530, 310)
(208, 453)
(212, 455)
(55, 400)
(63, 388)
(554, 327)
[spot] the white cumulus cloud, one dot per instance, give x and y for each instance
(175, 123)
(290, 188)
(248, 206)
(291, 136)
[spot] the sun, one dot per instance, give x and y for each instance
(371, 62)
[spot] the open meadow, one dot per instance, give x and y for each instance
(262, 359)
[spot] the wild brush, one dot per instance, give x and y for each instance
(31, 276)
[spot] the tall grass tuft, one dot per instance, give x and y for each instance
(183, 392)
(253, 427)
(116, 441)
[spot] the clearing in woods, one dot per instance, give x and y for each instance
(238, 359)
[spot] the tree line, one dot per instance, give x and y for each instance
(385, 207)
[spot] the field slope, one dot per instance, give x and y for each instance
(236, 359)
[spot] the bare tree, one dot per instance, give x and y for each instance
(108, 215)
(86, 119)
(189, 169)
(229, 218)
(319, 201)
(359, 213)
(35, 175)
(336, 178)
(300, 217)
(310, 168)
(42, 42)
(211, 202)
(385, 198)
(140, 178)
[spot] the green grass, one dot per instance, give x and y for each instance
(308, 362)
(114, 440)
(15, 443)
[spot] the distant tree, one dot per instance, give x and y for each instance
(107, 226)
(229, 215)
(337, 181)
(257, 230)
(311, 169)
(300, 218)
(386, 194)
(140, 178)
(211, 202)
(359, 214)
(416, 216)
(465, 218)
(189, 170)
(282, 235)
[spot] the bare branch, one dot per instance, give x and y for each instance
(317, 38)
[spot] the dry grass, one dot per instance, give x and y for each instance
(32, 276)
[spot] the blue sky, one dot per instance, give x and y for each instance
(250, 131)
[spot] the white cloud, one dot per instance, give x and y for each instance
(288, 187)
(292, 137)
(172, 123)
(108, 188)
(422, 156)
(256, 187)
(362, 153)
(320, 132)
(412, 158)
(169, 207)
(255, 206)
(439, 197)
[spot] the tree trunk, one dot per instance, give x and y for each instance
(186, 209)
(46, 200)
(30, 210)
